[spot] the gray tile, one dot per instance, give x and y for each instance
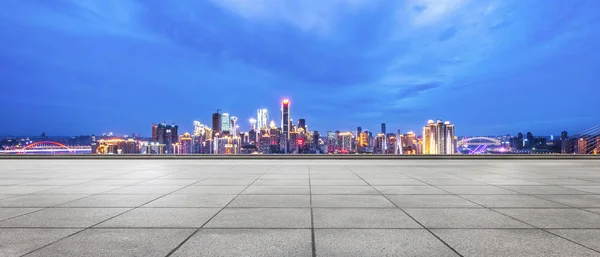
(56, 182)
(112, 182)
(596, 210)
(533, 190)
(476, 190)
(143, 190)
(19, 241)
(277, 190)
(111, 201)
(338, 182)
(587, 189)
(162, 217)
(225, 182)
(581, 201)
(168, 182)
(410, 190)
(565, 182)
(555, 218)
(333, 190)
(38, 200)
(63, 217)
(500, 201)
(394, 182)
(248, 242)
(261, 218)
(117, 242)
(351, 201)
(362, 218)
(210, 190)
(281, 182)
(268, 201)
(191, 201)
(89, 190)
(6, 196)
(19, 190)
(515, 242)
(378, 242)
(452, 182)
(7, 213)
(587, 237)
(463, 218)
(424, 201)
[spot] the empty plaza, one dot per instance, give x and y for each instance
(303, 207)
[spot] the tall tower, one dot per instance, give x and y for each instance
(285, 121)
(383, 128)
(302, 124)
(216, 122)
(263, 118)
(252, 124)
(233, 126)
(225, 122)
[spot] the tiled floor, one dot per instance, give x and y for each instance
(299, 208)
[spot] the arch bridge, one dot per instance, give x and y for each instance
(48, 147)
(480, 141)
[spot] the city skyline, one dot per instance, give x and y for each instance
(493, 67)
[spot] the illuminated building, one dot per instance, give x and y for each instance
(234, 128)
(152, 148)
(363, 139)
(285, 123)
(294, 136)
(252, 124)
(275, 136)
(216, 122)
(264, 144)
(344, 144)
(263, 118)
(116, 146)
(391, 143)
(185, 145)
(225, 123)
(165, 134)
(410, 143)
(380, 145)
(438, 138)
(582, 146)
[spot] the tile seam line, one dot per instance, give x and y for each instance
(427, 229)
(170, 253)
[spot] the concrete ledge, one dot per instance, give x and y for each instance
(301, 157)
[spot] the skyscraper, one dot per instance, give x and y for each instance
(285, 121)
(263, 118)
(234, 126)
(383, 128)
(438, 138)
(302, 124)
(216, 122)
(225, 123)
(165, 134)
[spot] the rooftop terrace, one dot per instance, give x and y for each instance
(299, 207)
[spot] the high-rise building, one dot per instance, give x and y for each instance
(383, 128)
(344, 142)
(233, 126)
(302, 124)
(253, 124)
(438, 138)
(263, 118)
(380, 145)
(285, 122)
(165, 134)
(216, 122)
(225, 123)
(358, 131)
(185, 144)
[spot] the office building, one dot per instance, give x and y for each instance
(263, 118)
(383, 128)
(438, 138)
(225, 123)
(302, 124)
(165, 134)
(216, 122)
(285, 123)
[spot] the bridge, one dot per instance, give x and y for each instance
(488, 141)
(48, 147)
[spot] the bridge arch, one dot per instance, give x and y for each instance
(41, 143)
(472, 139)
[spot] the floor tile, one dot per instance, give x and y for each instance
(410, 190)
(533, 190)
(463, 218)
(270, 201)
(117, 242)
(333, 190)
(500, 201)
(351, 201)
(277, 190)
(19, 241)
(191, 201)
(162, 217)
(210, 190)
(425, 201)
(581, 201)
(38, 200)
(338, 182)
(7, 213)
(111, 201)
(378, 242)
(515, 242)
(63, 217)
(586, 237)
(555, 218)
(248, 242)
(143, 190)
(261, 218)
(362, 218)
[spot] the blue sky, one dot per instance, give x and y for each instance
(489, 66)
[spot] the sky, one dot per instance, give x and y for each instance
(491, 67)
